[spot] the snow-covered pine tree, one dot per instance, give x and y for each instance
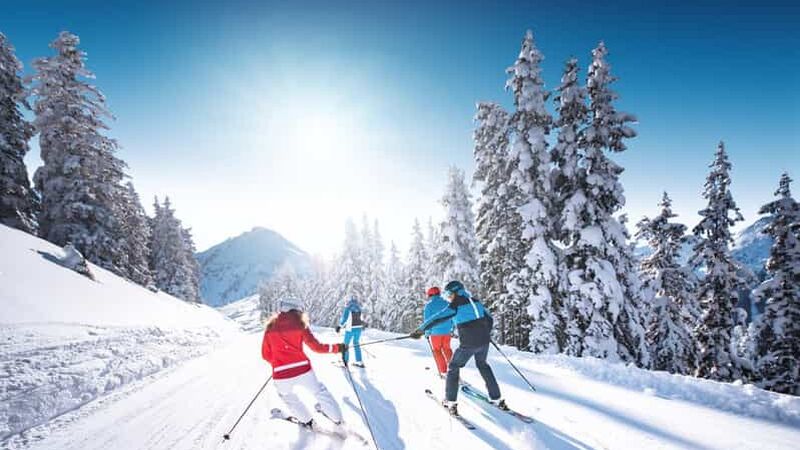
(598, 255)
(369, 270)
(457, 252)
(718, 289)
(18, 203)
(495, 216)
(349, 278)
(393, 293)
(135, 234)
(414, 282)
(433, 239)
(669, 332)
(172, 261)
(532, 285)
(283, 284)
(79, 182)
(567, 196)
(777, 337)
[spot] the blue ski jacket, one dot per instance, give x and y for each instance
(473, 320)
(435, 305)
(351, 316)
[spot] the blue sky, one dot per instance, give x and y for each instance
(297, 115)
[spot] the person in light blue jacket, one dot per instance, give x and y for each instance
(438, 335)
(351, 321)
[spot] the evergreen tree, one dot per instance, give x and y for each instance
(601, 296)
(18, 203)
(392, 296)
(135, 235)
(457, 253)
(495, 217)
(349, 277)
(172, 260)
(669, 333)
(777, 343)
(283, 284)
(80, 180)
(718, 289)
(567, 196)
(414, 281)
(433, 240)
(532, 285)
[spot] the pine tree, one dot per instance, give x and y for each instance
(392, 296)
(457, 252)
(18, 203)
(718, 289)
(172, 261)
(80, 180)
(414, 281)
(495, 217)
(567, 197)
(601, 296)
(777, 343)
(533, 284)
(135, 235)
(433, 240)
(669, 333)
(349, 274)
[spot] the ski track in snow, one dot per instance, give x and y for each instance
(192, 405)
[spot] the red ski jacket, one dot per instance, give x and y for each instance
(282, 346)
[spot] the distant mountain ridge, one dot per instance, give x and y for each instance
(234, 268)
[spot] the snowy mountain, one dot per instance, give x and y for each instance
(67, 340)
(233, 269)
(751, 246)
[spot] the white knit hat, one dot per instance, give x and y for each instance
(288, 304)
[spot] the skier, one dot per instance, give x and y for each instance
(438, 335)
(351, 321)
(282, 347)
(474, 330)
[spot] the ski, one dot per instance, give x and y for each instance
(458, 417)
(473, 393)
(340, 435)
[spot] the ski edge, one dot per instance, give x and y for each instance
(475, 394)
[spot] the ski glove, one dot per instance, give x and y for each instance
(416, 334)
(338, 328)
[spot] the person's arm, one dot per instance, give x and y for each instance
(266, 350)
(441, 316)
(311, 341)
(345, 314)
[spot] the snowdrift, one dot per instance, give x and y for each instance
(67, 340)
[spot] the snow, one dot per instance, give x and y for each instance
(67, 340)
(246, 312)
(100, 383)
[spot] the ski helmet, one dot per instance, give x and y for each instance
(434, 291)
(455, 287)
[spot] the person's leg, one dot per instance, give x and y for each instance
(348, 335)
(486, 372)
(438, 354)
(294, 406)
(460, 358)
(357, 342)
(325, 402)
(446, 350)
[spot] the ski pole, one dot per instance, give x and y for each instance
(227, 435)
(430, 346)
(384, 340)
(512, 365)
(360, 404)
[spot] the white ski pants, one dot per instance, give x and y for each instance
(287, 390)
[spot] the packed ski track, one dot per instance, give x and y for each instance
(193, 405)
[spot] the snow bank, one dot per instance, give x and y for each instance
(245, 312)
(744, 400)
(67, 339)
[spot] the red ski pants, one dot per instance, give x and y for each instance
(440, 344)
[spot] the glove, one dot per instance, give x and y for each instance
(343, 348)
(338, 328)
(416, 334)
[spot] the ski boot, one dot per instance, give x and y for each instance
(452, 407)
(359, 364)
(500, 403)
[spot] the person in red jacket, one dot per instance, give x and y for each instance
(282, 347)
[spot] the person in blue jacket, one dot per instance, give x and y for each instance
(438, 335)
(474, 330)
(351, 321)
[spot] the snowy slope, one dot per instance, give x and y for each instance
(66, 340)
(579, 404)
(245, 312)
(233, 269)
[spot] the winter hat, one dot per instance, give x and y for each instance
(434, 291)
(288, 304)
(456, 287)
